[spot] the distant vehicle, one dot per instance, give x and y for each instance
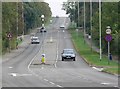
(62, 26)
(57, 16)
(32, 35)
(35, 40)
(42, 29)
(68, 54)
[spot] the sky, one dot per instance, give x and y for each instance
(56, 7)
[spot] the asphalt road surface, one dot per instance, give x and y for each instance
(26, 70)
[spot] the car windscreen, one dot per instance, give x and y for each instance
(68, 52)
(34, 38)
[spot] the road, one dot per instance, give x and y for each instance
(25, 70)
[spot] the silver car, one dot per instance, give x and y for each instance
(35, 40)
(68, 54)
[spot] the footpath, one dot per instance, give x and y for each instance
(21, 48)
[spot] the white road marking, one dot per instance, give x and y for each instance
(98, 69)
(42, 67)
(105, 83)
(10, 67)
(13, 74)
(46, 80)
(59, 86)
(52, 83)
(16, 74)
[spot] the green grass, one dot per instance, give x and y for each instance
(0, 46)
(92, 57)
(112, 70)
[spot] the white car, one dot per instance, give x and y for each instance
(35, 40)
(62, 26)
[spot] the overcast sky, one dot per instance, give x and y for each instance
(56, 7)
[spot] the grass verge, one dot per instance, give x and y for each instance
(92, 57)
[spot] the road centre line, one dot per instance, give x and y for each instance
(52, 83)
(37, 74)
(46, 80)
(59, 86)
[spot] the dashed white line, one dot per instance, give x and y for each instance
(105, 83)
(115, 86)
(52, 83)
(59, 86)
(45, 79)
(10, 67)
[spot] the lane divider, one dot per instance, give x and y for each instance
(42, 67)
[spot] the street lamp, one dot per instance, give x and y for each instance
(42, 18)
(100, 30)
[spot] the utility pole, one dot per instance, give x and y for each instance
(84, 22)
(78, 14)
(100, 29)
(91, 21)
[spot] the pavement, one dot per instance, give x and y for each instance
(21, 48)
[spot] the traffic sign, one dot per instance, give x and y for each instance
(108, 37)
(108, 31)
(9, 35)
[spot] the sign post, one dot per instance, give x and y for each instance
(9, 36)
(108, 38)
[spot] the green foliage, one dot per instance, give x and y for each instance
(28, 15)
(92, 57)
(110, 14)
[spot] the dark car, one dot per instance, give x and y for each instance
(42, 29)
(68, 54)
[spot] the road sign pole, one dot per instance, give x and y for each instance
(108, 49)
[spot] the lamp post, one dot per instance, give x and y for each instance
(84, 22)
(91, 21)
(100, 29)
(42, 18)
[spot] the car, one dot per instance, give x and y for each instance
(68, 54)
(62, 26)
(42, 29)
(35, 40)
(57, 16)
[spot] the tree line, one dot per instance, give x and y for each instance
(18, 18)
(110, 13)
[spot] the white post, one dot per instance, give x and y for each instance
(100, 28)
(91, 21)
(78, 14)
(17, 18)
(108, 49)
(84, 22)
